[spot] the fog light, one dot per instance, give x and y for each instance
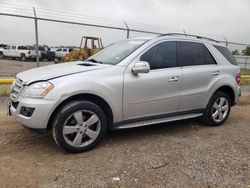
(27, 111)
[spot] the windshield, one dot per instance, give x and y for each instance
(116, 52)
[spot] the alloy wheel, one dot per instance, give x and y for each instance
(81, 128)
(220, 109)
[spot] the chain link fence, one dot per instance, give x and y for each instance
(27, 27)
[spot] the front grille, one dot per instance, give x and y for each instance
(16, 89)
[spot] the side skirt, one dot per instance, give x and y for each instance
(158, 119)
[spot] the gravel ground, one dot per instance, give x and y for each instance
(9, 68)
(178, 154)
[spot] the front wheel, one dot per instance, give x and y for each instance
(79, 126)
(218, 109)
(23, 57)
(1, 55)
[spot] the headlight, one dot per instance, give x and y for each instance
(38, 90)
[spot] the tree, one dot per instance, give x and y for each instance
(236, 52)
(247, 51)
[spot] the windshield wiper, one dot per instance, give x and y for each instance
(95, 61)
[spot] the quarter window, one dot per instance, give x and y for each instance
(161, 56)
(227, 54)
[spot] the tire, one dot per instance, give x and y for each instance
(216, 115)
(84, 120)
(1, 55)
(23, 57)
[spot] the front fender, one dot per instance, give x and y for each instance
(111, 93)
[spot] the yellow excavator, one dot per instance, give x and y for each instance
(88, 47)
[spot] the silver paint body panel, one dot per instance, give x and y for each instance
(129, 96)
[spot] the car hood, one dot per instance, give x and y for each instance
(58, 70)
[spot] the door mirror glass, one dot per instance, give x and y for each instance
(141, 67)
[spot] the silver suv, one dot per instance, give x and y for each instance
(131, 83)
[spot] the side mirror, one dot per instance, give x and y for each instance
(141, 67)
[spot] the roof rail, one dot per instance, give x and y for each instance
(188, 35)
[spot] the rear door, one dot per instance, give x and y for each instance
(156, 92)
(199, 69)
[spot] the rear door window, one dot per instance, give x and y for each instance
(191, 53)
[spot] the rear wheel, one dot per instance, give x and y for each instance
(79, 126)
(218, 109)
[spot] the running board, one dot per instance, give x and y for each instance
(158, 120)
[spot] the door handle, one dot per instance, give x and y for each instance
(174, 79)
(215, 73)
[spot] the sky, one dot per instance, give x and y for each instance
(214, 18)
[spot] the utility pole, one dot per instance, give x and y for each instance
(127, 29)
(36, 31)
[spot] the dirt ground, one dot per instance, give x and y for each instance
(9, 68)
(178, 154)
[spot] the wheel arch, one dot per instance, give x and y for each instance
(228, 90)
(103, 104)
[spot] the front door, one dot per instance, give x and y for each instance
(156, 92)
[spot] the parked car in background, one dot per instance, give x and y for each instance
(49, 54)
(131, 83)
(44, 53)
(15, 51)
(2, 46)
(61, 52)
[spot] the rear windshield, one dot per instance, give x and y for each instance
(227, 54)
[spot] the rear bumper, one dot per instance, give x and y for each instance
(237, 95)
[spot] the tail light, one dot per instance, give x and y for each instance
(29, 52)
(238, 79)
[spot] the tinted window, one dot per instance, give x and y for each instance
(64, 50)
(41, 48)
(13, 47)
(161, 56)
(227, 54)
(208, 57)
(2, 45)
(191, 54)
(22, 48)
